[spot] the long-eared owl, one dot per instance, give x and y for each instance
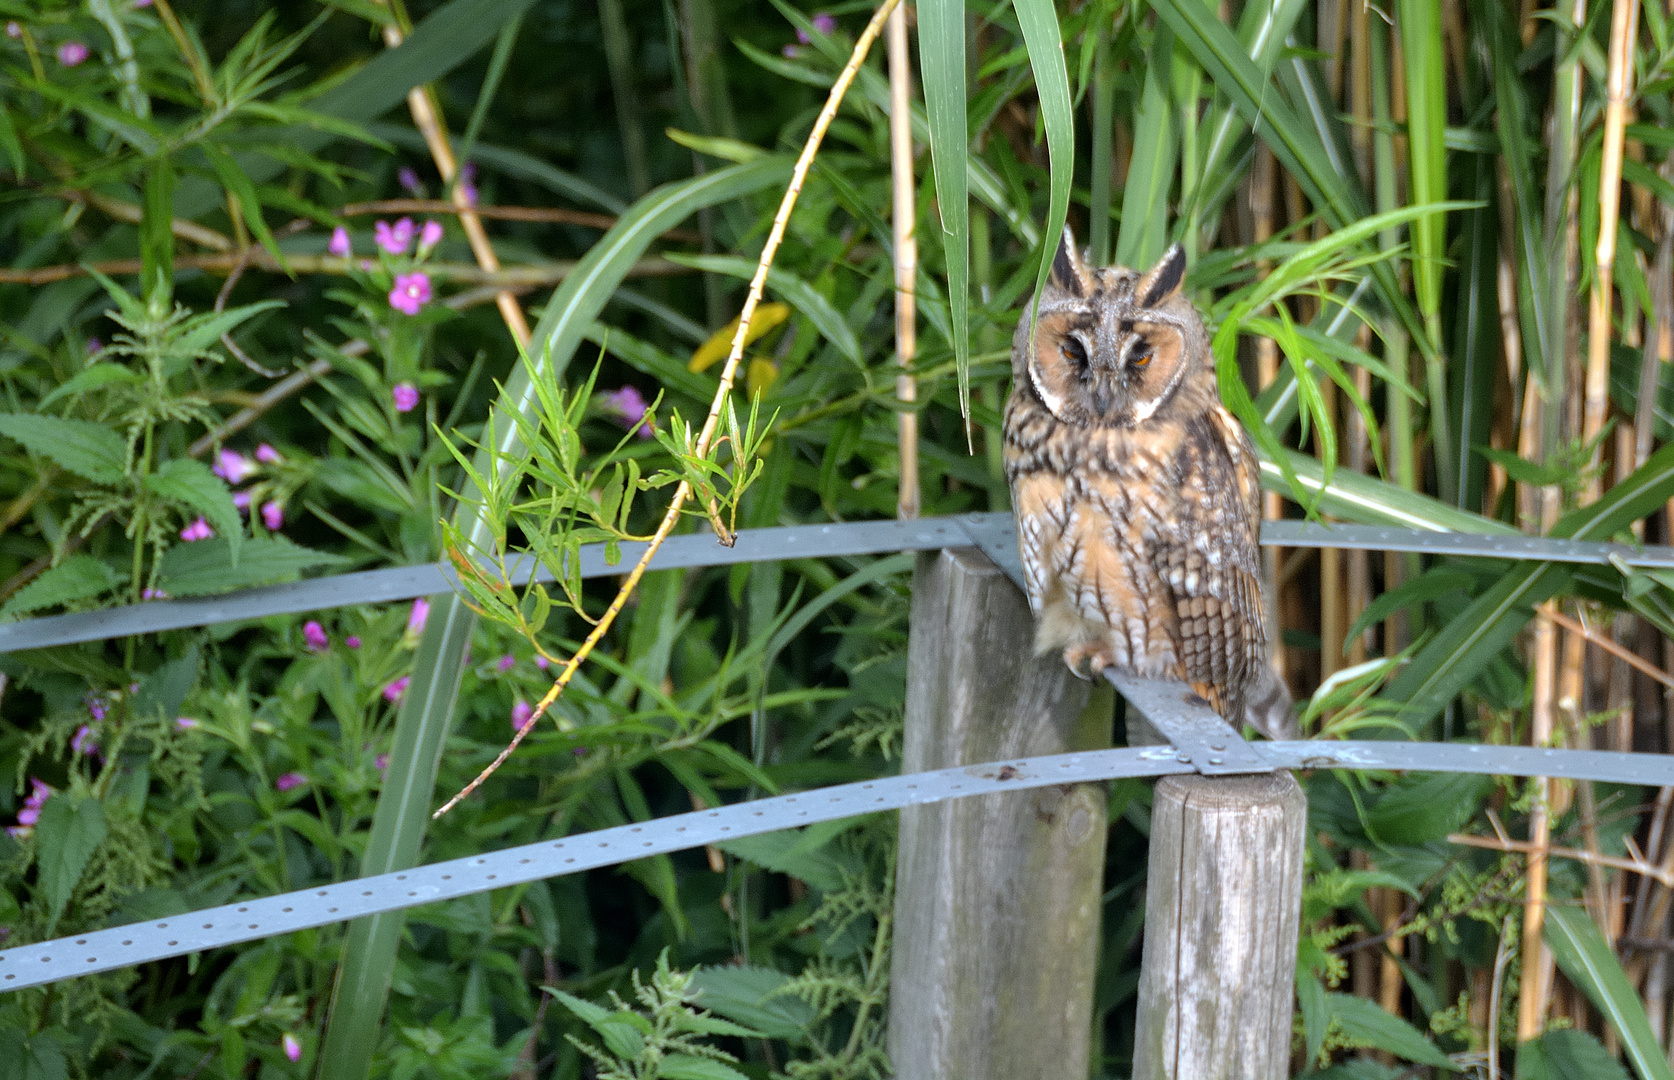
(1136, 491)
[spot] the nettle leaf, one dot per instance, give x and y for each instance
(1368, 1024)
(1420, 807)
(206, 567)
(688, 1067)
(1567, 1054)
(190, 482)
(96, 377)
(750, 995)
(79, 577)
(70, 829)
(87, 449)
(621, 1037)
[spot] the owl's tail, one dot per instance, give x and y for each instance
(1267, 706)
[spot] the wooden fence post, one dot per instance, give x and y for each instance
(1223, 906)
(997, 896)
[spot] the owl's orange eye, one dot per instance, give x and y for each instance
(1074, 351)
(1140, 354)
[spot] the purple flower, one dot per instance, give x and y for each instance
(153, 594)
(197, 530)
(791, 52)
(416, 617)
(352, 641)
(506, 663)
(39, 793)
(95, 346)
(382, 762)
(290, 780)
(405, 395)
(339, 245)
(292, 1048)
(314, 634)
(628, 406)
(273, 515)
(241, 499)
(825, 23)
(233, 467)
(520, 714)
(85, 740)
(393, 238)
(394, 690)
(411, 292)
(185, 723)
(408, 179)
(72, 53)
(429, 236)
(467, 182)
(542, 662)
(95, 707)
(142, 3)
(267, 455)
(14, 29)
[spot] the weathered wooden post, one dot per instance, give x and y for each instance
(997, 896)
(1222, 910)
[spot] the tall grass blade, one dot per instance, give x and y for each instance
(1156, 141)
(1589, 962)
(941, 61)
(1104, 158)
(403, 811)
(1045, 43)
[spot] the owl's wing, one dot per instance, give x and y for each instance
(1038, 499)
(1214, 567)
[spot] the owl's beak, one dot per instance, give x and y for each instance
(1103, 399)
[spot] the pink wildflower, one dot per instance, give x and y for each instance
(142, 3)
(394, 690)
(153, 594)
(468, 182)
(416, 617)
(39, 793)
(382, 762)
(411, 292)
(405, 395)
(290, 780)
(339, 245)
(185, 723)
(628, 406)
(241, 499)
(506, 663)
(520, 714)
(197, 530)
(394, 239)
(14, 29)
(72, 53)
(825, 23)
(429, 236)
(273, 515)
(95, 346)
(85, 740)
(408, 179)
(352, 641)
(292, 1048)
(267, 455)
(314, 634)
(95, 707)
(233, 467)
(542, 662)
(791, 52)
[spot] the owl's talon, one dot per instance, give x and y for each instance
(1086, 662)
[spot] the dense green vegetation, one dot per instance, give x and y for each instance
(245, 335)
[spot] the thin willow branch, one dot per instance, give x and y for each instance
(1638, 663)
(706, 437)
(1542, 851)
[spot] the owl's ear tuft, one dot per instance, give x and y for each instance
(1069, 271)
(1163, 279)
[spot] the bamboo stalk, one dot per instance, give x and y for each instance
(729, 371)
(1624, 27)
(1536, 981)
(905, 230)
(1267, 370)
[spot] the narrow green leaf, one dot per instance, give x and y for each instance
(1588, 961)
(941, 52)
(87, 449)
(1039, 21)
(801, 295)
(1368, 1024)
(1156, 139)
(238, 185)
(157, 231)
(688, 1067)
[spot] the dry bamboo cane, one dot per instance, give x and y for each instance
(427, 118)
(1267, 369)
(905, 228)
(711, 423)
(1536, 980)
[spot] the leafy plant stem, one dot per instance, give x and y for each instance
(671, 517)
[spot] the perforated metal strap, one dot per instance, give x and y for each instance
(229, 924)
(249, 920)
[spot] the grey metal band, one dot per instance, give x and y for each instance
(754, 545)
(230, 924)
